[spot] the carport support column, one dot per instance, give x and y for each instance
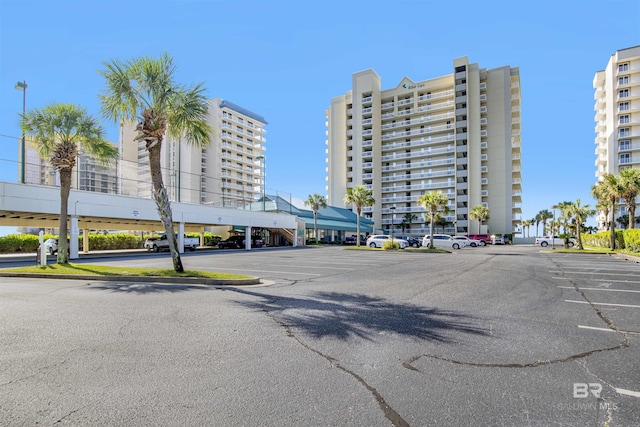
(247, 238)
(295, 237)
(73, 238)
(85, 241)
(181, 237)
(201, 238)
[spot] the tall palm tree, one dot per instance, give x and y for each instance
(603, 206)
(580, 213)
(316, 202)
(144, 90)
(360, 197)
(407, 219)
(545, 215)
(609, 190)
(481, 214)
(526, 225)
(434, 202)
(537, 220)
(630, 182)
(60, 131)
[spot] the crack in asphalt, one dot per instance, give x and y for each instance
(624, 343)
(395, 418)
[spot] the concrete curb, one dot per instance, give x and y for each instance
(142, 279)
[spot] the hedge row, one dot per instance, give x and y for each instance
(625, 239)
(25, 243)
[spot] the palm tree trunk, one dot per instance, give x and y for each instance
(431, 231)
(164, 205)
(358, 210)
(632, 214)
(315, 225)
(613, 225)
(65, 188)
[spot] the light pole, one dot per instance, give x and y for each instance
(393, 210)
(263, 165)
(23, 87)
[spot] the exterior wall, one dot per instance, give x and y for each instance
(228, 172)
(617, 118)
(452, 133)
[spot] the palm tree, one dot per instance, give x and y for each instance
(609, 190)
(60, 131)
(526, 225)
(316, 202)
(143, 90)
(603, 206)
(545, 215)
(434, 202)
(580, 214)
(407, 219)
(630, 181)
(481, 214)
(360, 197)
(537, 220)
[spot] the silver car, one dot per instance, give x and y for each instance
(377, 240)
(469, 242)
(443, 241)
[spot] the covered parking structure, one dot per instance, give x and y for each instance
(27, 205)
(334, 224)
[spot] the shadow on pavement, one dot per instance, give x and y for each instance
(343, 316)
(144, 288)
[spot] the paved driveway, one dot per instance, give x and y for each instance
(485, 336)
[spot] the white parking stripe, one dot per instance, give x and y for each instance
(606, 330)
(598, 289)
(608, 280)
(604, 274)
(603, 303)
(628, 392)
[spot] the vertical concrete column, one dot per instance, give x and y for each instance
(295, 237)
(247, 238)
(73, 238)
(181, 237)
(202, 238)
(85, 241)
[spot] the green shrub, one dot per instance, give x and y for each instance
(389, 245)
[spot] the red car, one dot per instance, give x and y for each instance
(484, 238)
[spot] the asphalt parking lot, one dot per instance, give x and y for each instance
(505, 335)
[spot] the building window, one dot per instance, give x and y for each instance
(624, 145)
(624, 93)
(623, 67)
(623, 133)
(624, 106)
(623, 80)
(624, 119)
(625, 158)
(240, 120)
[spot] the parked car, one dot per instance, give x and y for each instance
(51, 246)
(556, 241)
(484, 238)
(497, 240)
(442, 241)
(377, 240)
(351, 240)
(157, 244)
(414, 242)
(238, 242)
(470, 242)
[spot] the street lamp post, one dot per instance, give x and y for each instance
(23, 87)
(263, 165)
(393, 210)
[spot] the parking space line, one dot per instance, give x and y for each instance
(627, 392)
(586, 272)
(603, 303)
(606, 330)
(608, 280)
(599, 289)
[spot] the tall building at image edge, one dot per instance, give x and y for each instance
(617, 106)
(459, 134)
(228, 172)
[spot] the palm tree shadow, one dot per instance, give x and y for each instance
(344, 316)
(143, 288)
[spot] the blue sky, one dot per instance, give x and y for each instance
(285, 60)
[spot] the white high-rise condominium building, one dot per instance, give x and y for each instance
(228, 172)
(617, 105)
(459, 134)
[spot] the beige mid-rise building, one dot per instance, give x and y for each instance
(459, 134)
(617, 106)
(228, 172)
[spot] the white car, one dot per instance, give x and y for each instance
(556, 241)
(377, 240)
(469, 242)
(497, 240)
(443, 241)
